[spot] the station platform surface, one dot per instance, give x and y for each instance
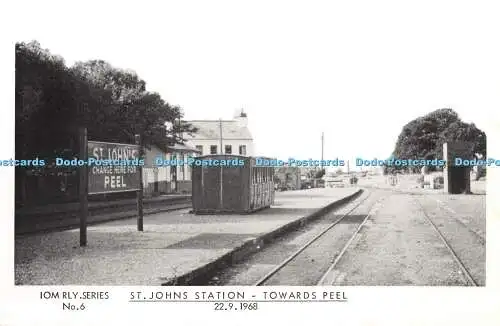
(409, 184)
(172, 244)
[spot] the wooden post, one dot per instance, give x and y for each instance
(220, 138)
(322, 144)
(140, 192)
(83, 186)
(221, 189)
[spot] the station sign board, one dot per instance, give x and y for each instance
(113, 167)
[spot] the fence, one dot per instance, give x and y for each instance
(392, 180)
(57, 186)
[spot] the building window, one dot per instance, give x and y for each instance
(228, 149)
(213, 149)
(243, 150)
(200, 148)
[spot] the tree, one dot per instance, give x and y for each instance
(320, 174)
(52, 101)
(122, 84)
(140, 112)
(462, 131)
(45, 99)
(423, 138)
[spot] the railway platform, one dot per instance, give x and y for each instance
(408, 184)
(173, 246)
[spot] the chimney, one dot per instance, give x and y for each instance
(241, 117)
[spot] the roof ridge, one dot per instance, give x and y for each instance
(211, 120)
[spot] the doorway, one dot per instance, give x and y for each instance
(458, 177)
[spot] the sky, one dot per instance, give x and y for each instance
(357, 71)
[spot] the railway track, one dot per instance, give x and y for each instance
(329, 276)
(317, 254)
(265, 279)
(61, 221)
(319, 243)
(463, 222)
(456, 254)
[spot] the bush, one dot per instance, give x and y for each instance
(320, 174)
(439, 180)
(420, 179)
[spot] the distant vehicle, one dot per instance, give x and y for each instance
(338, 183)
(333, 180)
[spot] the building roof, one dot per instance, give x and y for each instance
(183, 148)
(174, 148)
(210, 129)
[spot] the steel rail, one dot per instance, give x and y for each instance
(305, 246)
(465, 271)
(325, 276)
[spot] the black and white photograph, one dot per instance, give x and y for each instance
(234, 144)
(214, 212)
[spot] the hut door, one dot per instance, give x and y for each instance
(211, 187)
(173, 178)
(155, 180)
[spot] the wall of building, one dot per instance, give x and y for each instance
(288, 176)
(162, 175)
(206, 143)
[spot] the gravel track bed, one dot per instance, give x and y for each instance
(308, 267)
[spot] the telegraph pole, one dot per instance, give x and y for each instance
(140, 192)
(83, 192)
(220, 129)
(322, 144)
(221, 190)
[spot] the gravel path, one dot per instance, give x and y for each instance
(399, 247)
(408, 183)
(466, 238)
(171, 245)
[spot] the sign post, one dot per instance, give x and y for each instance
(140, 192)
(115, 167)
(83, 186)
(108, 168)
